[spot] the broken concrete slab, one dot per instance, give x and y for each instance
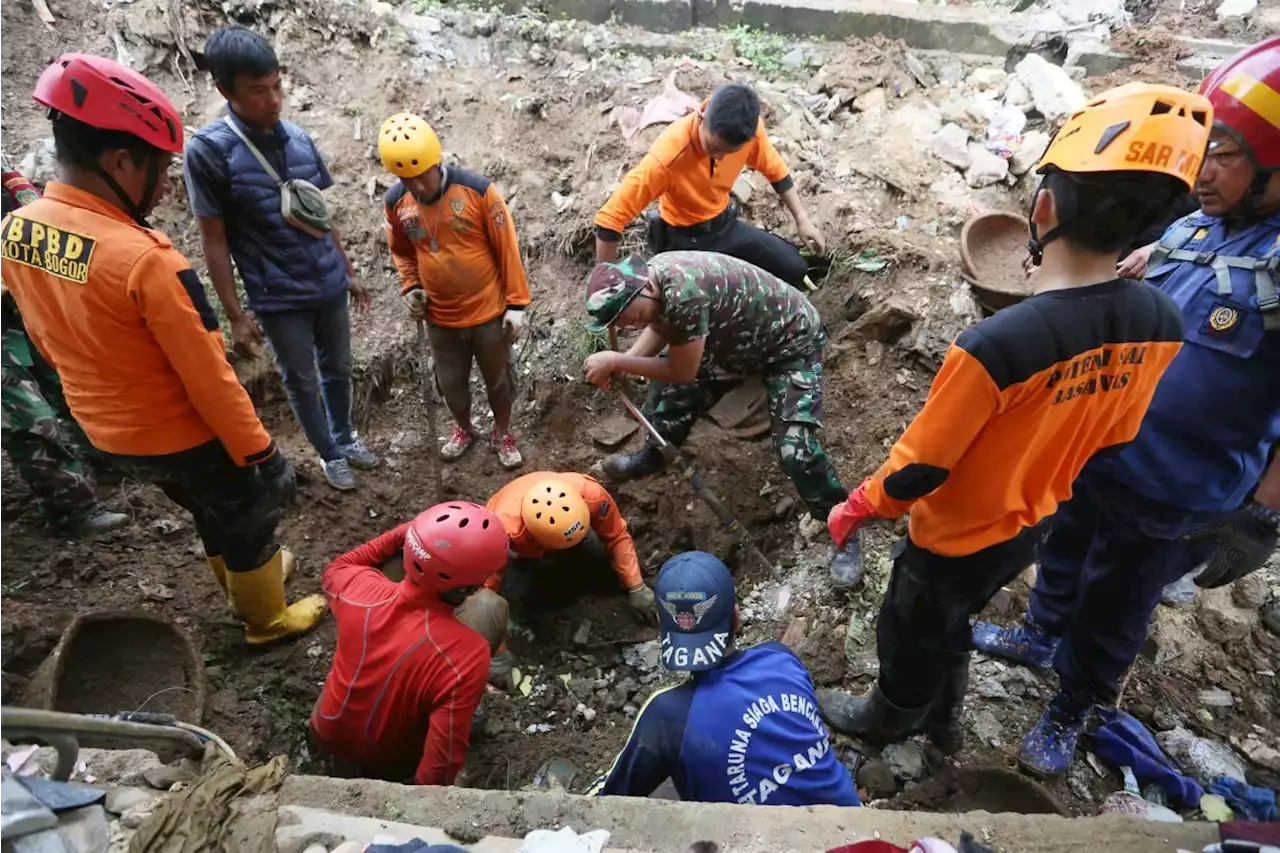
(951, 146)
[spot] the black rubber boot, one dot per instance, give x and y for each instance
(942, 724)
(874, 718)
(628, 466)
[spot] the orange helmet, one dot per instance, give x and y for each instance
(1245, 93)
(555, 515)
(1137, 127)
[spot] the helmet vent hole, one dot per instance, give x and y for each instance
(1201, 117)
(538, 516)
(552, 521)
(399, 165)
(414, 161)
(79, 92)
(1159, 108)
(443, 576)
(464, 522)
(484, 525)
(444, 517)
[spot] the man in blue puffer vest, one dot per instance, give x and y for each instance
(295, 283)
(1200, 484)
(745, 728)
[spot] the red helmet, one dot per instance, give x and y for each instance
(104, 94)
(454, 544)
(1245, 93)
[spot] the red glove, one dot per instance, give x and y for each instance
(844, 519)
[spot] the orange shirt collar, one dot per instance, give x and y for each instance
(77, 197)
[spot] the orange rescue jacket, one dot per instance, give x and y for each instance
(462, 250)
(606, 521)
(125, 321)
(690, 187)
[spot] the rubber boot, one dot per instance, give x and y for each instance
(873, 718)
(1048, 748)
(288, 563)
(257, 597)
(628, 466)
(847, 566)
(1028, 644)
(942, 725)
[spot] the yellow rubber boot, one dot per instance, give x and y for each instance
(257, 597)
(288, 563)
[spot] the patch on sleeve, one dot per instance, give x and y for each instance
(195, 290)
(64, 254)
(498, 215)
(1223, 322)
(603, 510)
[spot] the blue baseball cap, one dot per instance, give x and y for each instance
(695, 611)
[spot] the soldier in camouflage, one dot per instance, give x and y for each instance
(46, 446)
(720, 320)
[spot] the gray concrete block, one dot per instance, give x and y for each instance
(662, 16)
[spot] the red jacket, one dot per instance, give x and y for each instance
(407, 676)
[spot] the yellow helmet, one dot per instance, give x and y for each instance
(408, 146)
(555, 515)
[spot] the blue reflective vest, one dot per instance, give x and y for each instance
(746, 732)
(1215, 415)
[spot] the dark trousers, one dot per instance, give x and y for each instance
(453, 351)
(924, 630)
(234, 511)
(555, 579)
(1108, 554)
(313, 352)
(729, 235)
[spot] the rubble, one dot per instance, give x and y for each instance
(1252, 591)
(951, 146)
(1052, 90)
(877, 779)
(1029, 151)
(886, 322)
(1221, 620)
(1216, 697)
(1228, 9)
(986, 168)
(1258, 751)
(905, 760)
(40, 165)
(870, 100)
(1203, 759)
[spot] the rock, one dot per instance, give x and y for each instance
(1216, 697)
(1235, 8)
(727, 51)
(870, 100)
(794, 59)
(1251, 591)
(951, 192)
(1029, 152)
(1205, 716)
(1206, 760)
(743, 188)
(1020, 682)
(951, 146)
(1257, 751)
(886, 322)
(432, 24)
(1221, 621)
(905, 760)
(316, 847)
(85, 830)
(1004, 601)
(301, 98)
(991, 688)
(876, 777)
(643, 656)
(1053, 92)
(120, 800)
(783, 507)
(987, 728)
(950, 71)
(1272, 620)
(581, 635)
(986, 168)
(40, 165)
(163, 778)
(1164, 719)
(1016, 94)
(988, 80)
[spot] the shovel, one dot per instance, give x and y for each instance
(673, 456)
(429, 397)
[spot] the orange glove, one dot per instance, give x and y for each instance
(844, 519)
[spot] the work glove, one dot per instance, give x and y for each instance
(513, 322)
(279, 477)
(1243, 542)
(642, 602)
(415, 302)
(845, 519)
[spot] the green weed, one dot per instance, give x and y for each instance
(762, 48)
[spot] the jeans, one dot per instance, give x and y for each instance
(304, 340)
(234, 511)
(1108, 554)
(729, 235)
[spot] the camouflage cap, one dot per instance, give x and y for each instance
(611, 288)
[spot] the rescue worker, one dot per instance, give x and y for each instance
(1021, 402)
(744, 728)
(720, 319)
(297, 276)
(46, 446)
(413, 656)
(454, 243)
(571, 518)
(125, 321)
(690, 170)
(1179, 494)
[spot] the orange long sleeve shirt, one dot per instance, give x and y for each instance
(125, 321)
(606, 521)
(1022, 401)
(462, 249)
(690, 187)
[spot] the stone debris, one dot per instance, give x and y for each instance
(1216, 697)
(877, 779)
(1258, 751)
(986, 168)
(1052, 90)
(1203, 759)
(1219, 617)
(1228, 9)
(1251, 591)
(951, 146)
(905, 760)
(886, 322)
(1029, 151)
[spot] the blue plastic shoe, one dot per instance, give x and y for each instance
(1048, 748)
(1027, 644)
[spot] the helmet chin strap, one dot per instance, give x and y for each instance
(1246, 210)
(1037, 243)
(136, 210)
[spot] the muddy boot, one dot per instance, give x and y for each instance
(257, 597)
(95, 522)
(628, 466)
(218, 566)
(1027, 644)
(874, 718)
(942, 725)
(1048, 748)
(847, 566)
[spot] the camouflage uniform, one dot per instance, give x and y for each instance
(754, 324)
(45, 444)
